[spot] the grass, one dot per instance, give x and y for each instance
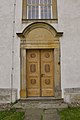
(65, 114)
(70, 114)
(11, 115)
(41, 117)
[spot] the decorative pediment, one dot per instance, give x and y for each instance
(39, 31)
(39, 35)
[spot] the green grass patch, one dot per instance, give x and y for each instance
(11, 115)
(70, 114)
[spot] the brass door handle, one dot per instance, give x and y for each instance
(42, 75)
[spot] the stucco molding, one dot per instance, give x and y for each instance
(39, 25)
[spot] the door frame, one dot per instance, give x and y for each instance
(26, 43)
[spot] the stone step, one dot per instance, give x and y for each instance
(42, 99)
(40, 103)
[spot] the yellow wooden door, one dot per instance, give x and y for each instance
(40, 73)
(47, 84)
(33, 73)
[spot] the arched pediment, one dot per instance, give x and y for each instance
(39, 31)
(39, 34)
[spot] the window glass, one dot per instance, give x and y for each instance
(41, 1)
(37, 1)
(49, 10)
(33, 12)
(49, 1)
(44, 1)
(39, 9)
(33, 1)
(28, 1)
(37, 12)
(29, 12)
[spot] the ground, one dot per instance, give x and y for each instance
(38, 111)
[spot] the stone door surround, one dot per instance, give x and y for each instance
(40, 35)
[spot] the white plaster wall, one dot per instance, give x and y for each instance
(6, 37)
(6, 31)
(69, 23)
(18, 28)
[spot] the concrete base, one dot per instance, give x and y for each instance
(8, 95)
(72, 95)
(41, 114)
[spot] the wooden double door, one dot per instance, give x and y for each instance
(40, 74)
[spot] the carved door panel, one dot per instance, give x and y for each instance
(47, 84)
(40, 73)
(33, 73)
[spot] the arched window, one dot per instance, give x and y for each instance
(39, 9)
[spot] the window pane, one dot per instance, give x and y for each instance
(49, 1)
(37, 1)
(33, 1)
(45, 12)
(29, 1)
(37, 12)
(49, 12)
(45, 2)
(42, 13)
(42, 1)
(29, 12)
(33, 12)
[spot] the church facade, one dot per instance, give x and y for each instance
(39, 49)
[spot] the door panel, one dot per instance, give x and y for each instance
(40, 73)
(33, 73)
(47, 73)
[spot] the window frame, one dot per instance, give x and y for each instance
(24, 11)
